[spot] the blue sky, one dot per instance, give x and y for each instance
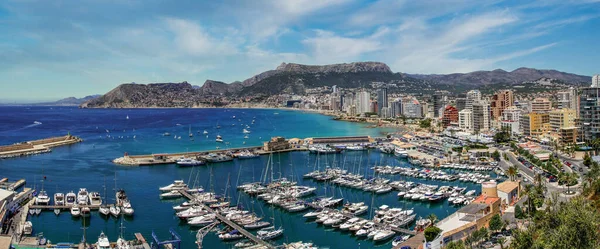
(55, 49)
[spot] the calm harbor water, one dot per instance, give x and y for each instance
(108, 134)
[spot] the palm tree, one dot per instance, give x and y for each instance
(511, 172)
(433, 218)
(528, 190)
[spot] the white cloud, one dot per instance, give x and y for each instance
(191, 38)
(326, 47)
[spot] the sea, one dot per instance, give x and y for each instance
(110, 133)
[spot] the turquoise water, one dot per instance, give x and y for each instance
(88, 165)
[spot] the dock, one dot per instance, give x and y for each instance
(36, 146)
(11, 186)
(232, 224)
(52, 207)
(141, 239)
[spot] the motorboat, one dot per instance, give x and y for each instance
(114, 210)
(233, 235)
(122, 244)
(269, 233)
(104, 210)
(176, 185)
(57, 211)
(400, 153)
(166, 134)
(70, 198)
(27, 228)
(244, 244)
(219, 139)
(355, 147)
(75, 211)
(184, 162)
(127, 209)
(59, 199)
(85, 212)
(216, 158)
(246, 131)
(200, 221)
(399, 240)
(205, 132)
(121, 197)
(194, 211)
(103, 242)
(42, 198)
(171, 195)
(82, 196)
(37, 211)
(383, 235)
(247, 154)
(95, 199)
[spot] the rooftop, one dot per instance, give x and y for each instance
(507, 186)
(5, 194)
(473, 208)
(482, 199)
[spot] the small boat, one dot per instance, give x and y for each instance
(70, 198)
(85, 212)
(31, 211)
(246, 131)
(122, 244)
(205, 132)
(184, 162)
(37, 211)
(57, 211)
(233, 235)
(244, 244)
(257, 225)
(171, 194)
(383, 235)
(59, 199)
(269, 233)
(42, 198)
(399, 240)
(103, 242)
(120, 196)
(27, 228)
(75, 211)
(247, 154)
(37, 122)
(95, 199)
(219, 139)
(82, 196)
(114, 210)
(127, 209)
(176, 185)
(201, 221)
(104, 210)
(246, 137)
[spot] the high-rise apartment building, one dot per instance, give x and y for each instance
(440, 99)
(589, 113)
(561, 118)
(411, 108)
(481, 116)
(472, 96)
(465, 120)
(450, 115)
(363, 102)
(382, 100)
(596, 80)
(500, 101)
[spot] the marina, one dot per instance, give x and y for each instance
(95, 155)
(36, 146)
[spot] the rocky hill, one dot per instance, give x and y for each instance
(294, 78)
(500, 76)
(150, 95)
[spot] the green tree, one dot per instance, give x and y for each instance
(425, 123)
(496, 223)
(512, 172)
(496, 155)
(518, 212)
(431, 233)
(587, 160)
(433, 218)
(455, 245)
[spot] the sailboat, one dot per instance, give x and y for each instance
(127, 117)
(190, 132)
(104, 210)
(121, 242)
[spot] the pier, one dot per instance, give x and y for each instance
(232, 224)
(36, 146)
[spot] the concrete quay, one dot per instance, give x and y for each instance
(36, 146)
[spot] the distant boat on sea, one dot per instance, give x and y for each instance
(127, 117)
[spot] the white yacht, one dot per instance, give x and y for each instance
(383, 235)
(104, 210)
(401, 153)
(103, 242)
(82, 196)
(176, 185)
(170, 194)
(122, 244)
(127, 209)
(189, 162)
(95, 199)
(219, 139)
(269, 233)
(70, 199)
(205, 132)
(59, 199)
(42, 198)
(75, 211)
(246, 131)
(27, 228)
(114, 210)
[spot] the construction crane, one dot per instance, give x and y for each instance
(202, 232)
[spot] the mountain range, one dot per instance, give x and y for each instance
(294, 78)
